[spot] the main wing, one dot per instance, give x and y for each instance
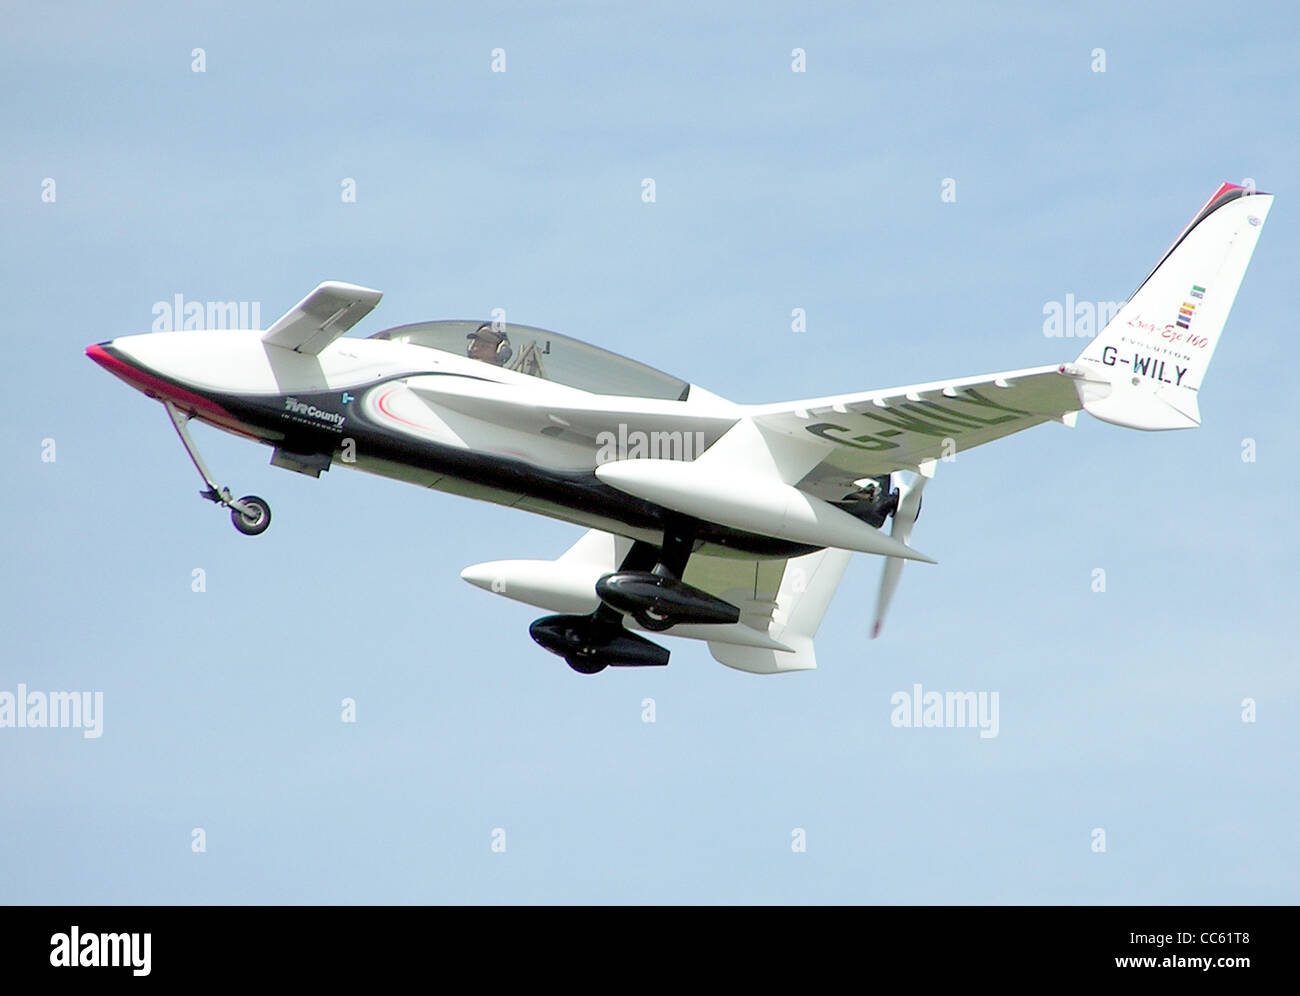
(902, 428)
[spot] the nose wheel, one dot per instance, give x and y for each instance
(250, 514)
(255, 516)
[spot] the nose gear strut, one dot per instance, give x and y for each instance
(250, 514)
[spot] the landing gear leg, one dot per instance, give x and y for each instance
(250, 514)
(648, 587)
(679, 540)
(666, 567)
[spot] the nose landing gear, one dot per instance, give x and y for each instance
(251, 515)
(253, 518)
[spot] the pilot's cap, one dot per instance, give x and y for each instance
(488, 334)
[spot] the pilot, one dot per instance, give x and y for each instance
(489, 344)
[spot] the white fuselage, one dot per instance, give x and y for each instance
(430, 417)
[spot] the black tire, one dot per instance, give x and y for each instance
(257, 523)
(586, 665)
(652, 623)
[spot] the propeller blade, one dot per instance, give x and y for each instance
(909, 506)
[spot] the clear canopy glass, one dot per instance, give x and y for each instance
(543, 354)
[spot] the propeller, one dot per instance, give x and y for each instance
(909, 507)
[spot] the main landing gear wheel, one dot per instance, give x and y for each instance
(255, 516)
(652, 620)
(591, 643)
(586, 665)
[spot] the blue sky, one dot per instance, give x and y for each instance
(522, 190)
